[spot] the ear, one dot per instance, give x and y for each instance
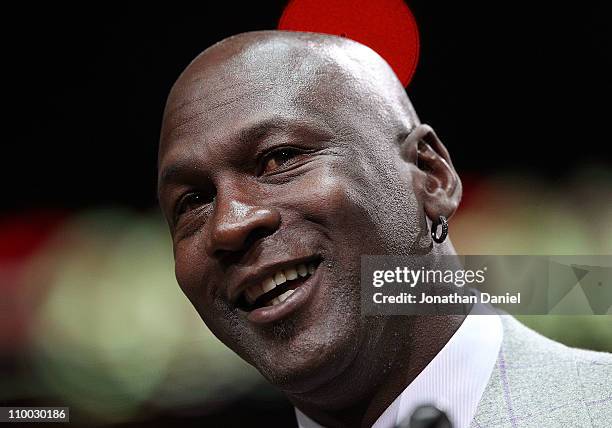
(435, 178)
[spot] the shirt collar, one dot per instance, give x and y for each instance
(454, 380)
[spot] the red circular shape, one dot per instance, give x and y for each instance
(386, 26)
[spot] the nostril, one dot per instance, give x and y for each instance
(233, 255)
(257, 234)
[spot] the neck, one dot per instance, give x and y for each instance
(379, 374)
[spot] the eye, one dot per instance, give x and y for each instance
(192, 201)
(278, 158)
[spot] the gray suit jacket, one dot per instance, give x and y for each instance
(537, 382)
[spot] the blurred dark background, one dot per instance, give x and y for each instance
(518, 91)
(88, 86)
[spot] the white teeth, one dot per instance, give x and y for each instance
(291, 274)
(280, 278)
(301, 269)
(268, 285)
(311, 268)
(286, 294)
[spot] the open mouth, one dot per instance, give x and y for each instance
(277, 288)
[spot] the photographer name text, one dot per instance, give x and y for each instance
(454, 298)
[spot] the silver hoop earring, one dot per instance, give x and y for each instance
(434, 228)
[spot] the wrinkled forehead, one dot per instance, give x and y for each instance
(227, 88)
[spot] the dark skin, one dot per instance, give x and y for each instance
(278, 147)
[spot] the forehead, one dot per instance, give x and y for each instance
(225, 90)
(222, 88)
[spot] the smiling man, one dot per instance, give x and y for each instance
(286, 156)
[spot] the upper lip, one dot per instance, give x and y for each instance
(257, 275)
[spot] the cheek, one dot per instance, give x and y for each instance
(188, 269)
(333, 198)
(378, 214)
(335, 201)
(341, 207)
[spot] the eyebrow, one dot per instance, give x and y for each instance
(172, 172)
(262, 129)
(257, 131)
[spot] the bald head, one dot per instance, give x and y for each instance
(315, 70)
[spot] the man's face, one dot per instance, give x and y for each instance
(278, 164)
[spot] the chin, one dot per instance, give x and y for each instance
(311, 358)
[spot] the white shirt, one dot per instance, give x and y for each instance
(454, 380)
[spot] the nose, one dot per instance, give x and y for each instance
(236, 225)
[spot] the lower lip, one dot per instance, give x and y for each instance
(299, 297)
